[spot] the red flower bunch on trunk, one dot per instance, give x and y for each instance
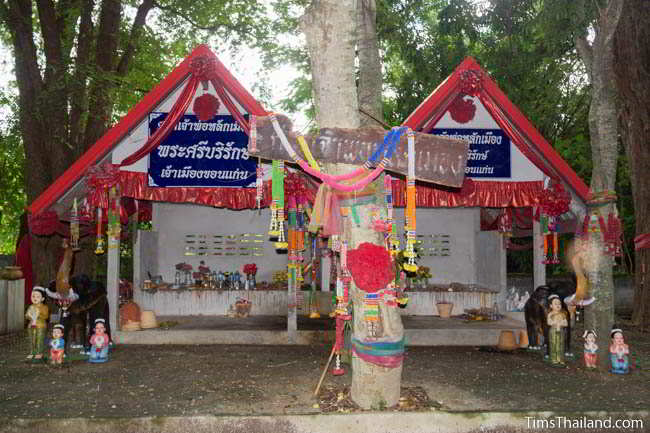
(371, 267)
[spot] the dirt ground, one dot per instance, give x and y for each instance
(217, 380)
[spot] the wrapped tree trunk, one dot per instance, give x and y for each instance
(330, 27)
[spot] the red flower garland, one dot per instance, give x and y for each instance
(554, 201)
(371, 267)
(471, 82)
(462, 110)
(203, 67)
(205, 107)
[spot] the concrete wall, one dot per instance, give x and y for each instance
(461, 224)
(491, 264)
(173, 222)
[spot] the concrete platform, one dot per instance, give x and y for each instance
(361, 422)
(419, 331)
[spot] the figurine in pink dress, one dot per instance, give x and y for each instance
(591, 349)
(99, 343)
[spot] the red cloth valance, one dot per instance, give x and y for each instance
(135, 185)
(479, 194)
(473, 194)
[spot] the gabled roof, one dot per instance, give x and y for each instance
(526, 137)
(151, 100)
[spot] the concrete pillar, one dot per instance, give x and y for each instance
(113, 283)
(539, 269)
(325, 269)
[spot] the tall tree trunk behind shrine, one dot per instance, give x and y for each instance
(331, 29)
(598, 58)
(369, 85)
(632, 68)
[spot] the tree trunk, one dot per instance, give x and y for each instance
(330, 28)
(603, 129)
(370, 81)
(632, 69)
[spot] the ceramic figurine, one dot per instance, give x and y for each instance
(557, 322)
(99, 343)
(591, 349)
(37, 314)
(57, 345)
(619, 352)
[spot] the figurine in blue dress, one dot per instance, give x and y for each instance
(57, 345)
(619, 352)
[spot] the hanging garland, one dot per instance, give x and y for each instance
(392, 137)
(411, 225)
(276, 229)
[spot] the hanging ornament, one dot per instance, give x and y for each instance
(410, 227)
(74, 227)
(114, 227)
(276, 228)
(259, 185)
(99, 249)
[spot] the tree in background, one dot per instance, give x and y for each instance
(75, 58)
(632, 67)
(598, 57)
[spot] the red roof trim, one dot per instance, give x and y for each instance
(428, 108)
(108, 141)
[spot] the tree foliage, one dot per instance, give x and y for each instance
(12, 190)
(81, 64)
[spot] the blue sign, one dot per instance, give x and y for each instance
(489, 151)
(201, 154)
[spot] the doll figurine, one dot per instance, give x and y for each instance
(99, 343)
(557, 322)
(37, 314)
(591, 349)
(57, 345)
(618, 352)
